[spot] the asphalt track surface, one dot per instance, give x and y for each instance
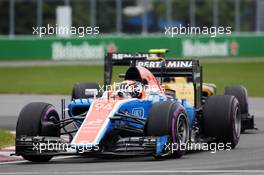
(247, 158)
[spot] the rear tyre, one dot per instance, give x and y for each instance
(78, 90)
(222, 119)
(169, 118)
(37, 119)
(240, 92)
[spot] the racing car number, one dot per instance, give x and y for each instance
(103, 106)
(94, 122)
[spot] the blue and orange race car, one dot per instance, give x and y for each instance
(131, 117)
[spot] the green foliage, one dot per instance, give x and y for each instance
(106, 16)
(81, 13)
(26, 11)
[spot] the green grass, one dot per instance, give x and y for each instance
(251, 75)
(46, 80)
(6, 138)
(60, 79)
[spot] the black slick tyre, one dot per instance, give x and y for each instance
(169, 118)
(222, 119)
(78, 90)
(37, 119)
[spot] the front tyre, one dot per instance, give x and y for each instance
(169, 118)
(222, 119)
(36, 119)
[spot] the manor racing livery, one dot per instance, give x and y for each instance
(135, 117)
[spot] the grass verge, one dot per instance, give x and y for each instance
(60, 79)
(6, 138)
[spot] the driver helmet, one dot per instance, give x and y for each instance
(131, 88)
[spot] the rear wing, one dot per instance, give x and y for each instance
(124, 59)
(159, 67)
(190, 69)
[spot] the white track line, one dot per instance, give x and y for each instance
(138, 172)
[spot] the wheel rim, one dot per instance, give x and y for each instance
(49, 115)
(237, 122)
(182, 130)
